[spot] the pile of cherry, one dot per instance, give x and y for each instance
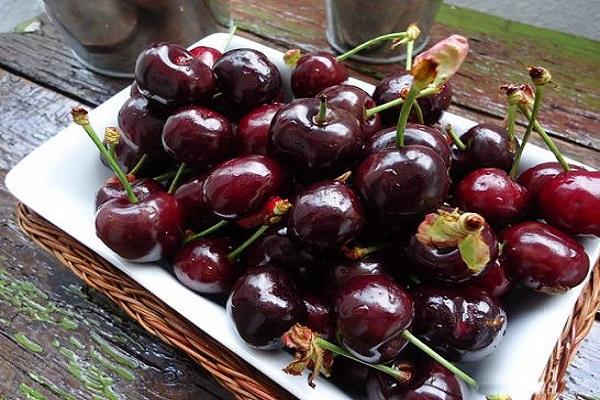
(335, 227)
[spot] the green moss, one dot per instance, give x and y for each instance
(27, 343)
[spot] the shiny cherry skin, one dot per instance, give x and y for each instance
(464, 324)
(413, 134)
(241, 185)
(372, 264)
(263, 305)
(247, 79)
(487, 147)
(394, 86)
(403, 184)
(571, 202)
(533, 178)
(356, 101)
(318, 316)
(313, 148)
(168, 73)
(253, 129)
(112, 189)
(446, 264)
(350, 375)
(142, 126)
(197, 212)
(146, 231)
(203, 266)
(495, 279)
(317, 71)
(198, 137)
(326, 215)
(431, 381)
(207, 55)
(543, 258)
(368, 327)
(492, 193)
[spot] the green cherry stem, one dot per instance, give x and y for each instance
(409, 53)
(419, 112)
(404, 113)
(136, 168)
(357, 252)
(321, 117)
(170, 174)
(176, 179)
(371, 42)
(80, 117)
(258, 233)
(205, 232)
(537, 103)
(511, 115)
(230, 37)
(396, 102)
(455, 138)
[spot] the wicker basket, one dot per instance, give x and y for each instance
(236, 375)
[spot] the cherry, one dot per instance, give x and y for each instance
(198, 214)
(350, 375)
(319, 318)
(198, 137)
(486, 146)
(145, 231)
(543, 258)
(373, 264)
(242, 185)
(247, 79)
(571, 202)
(403, 184)
(253, 129)
(263, 305)
(207, 55)
(168, 73)
(535, 177)
(314, 138)
(413, 134)
(142, 126)
(463, 324)
(326, 214)
(395, 86)
(428, 381)
(113, 189)
(204, 267)
(495, 279)
(371, 312)
(492, 193)
(317, 71)
(356, 101)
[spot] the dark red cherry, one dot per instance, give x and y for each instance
(430, 381)
(247, 79)
(263, 305)
(146, 231)
(356, 101)
(413, 134)
(112, 189)
(326, 214)
(371, 312)
(207, 55)
(403, 184)
(168, 73)
(142, 127)
(198, 137)
(198, 214)
(543, 258)
(319, 318)
(571, 202)
(253, 129)
(464, 324)
(396, 86)
(487, 147)
(533, 178)
(492, 193)
(317, 71)
(495, 280)
(242, 185)
(350, 375)
(313, 147)
(373, 264)
(203, 266)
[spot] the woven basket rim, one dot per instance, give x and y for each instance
(240, 378)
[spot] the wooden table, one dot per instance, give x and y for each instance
(55, 332)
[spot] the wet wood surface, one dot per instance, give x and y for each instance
(65, 327)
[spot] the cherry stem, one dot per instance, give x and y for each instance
(321, 117)
(335, 349)
(357, 252)
(441, 360)
(205, 232)
(455, 138)
(259, 232)
(175, 180)
(511, 114)
(404, 113)
(372, 42)
(229, 38)
(139, 164)
(396, 102)
(170, 174)
(112, 149)
(409, 53)
(111, 162)
(537, 103)
(419, 113)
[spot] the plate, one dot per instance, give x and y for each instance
(59, 180)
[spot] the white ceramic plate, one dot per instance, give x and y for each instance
(59, 180)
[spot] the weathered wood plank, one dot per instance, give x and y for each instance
(42, 301)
